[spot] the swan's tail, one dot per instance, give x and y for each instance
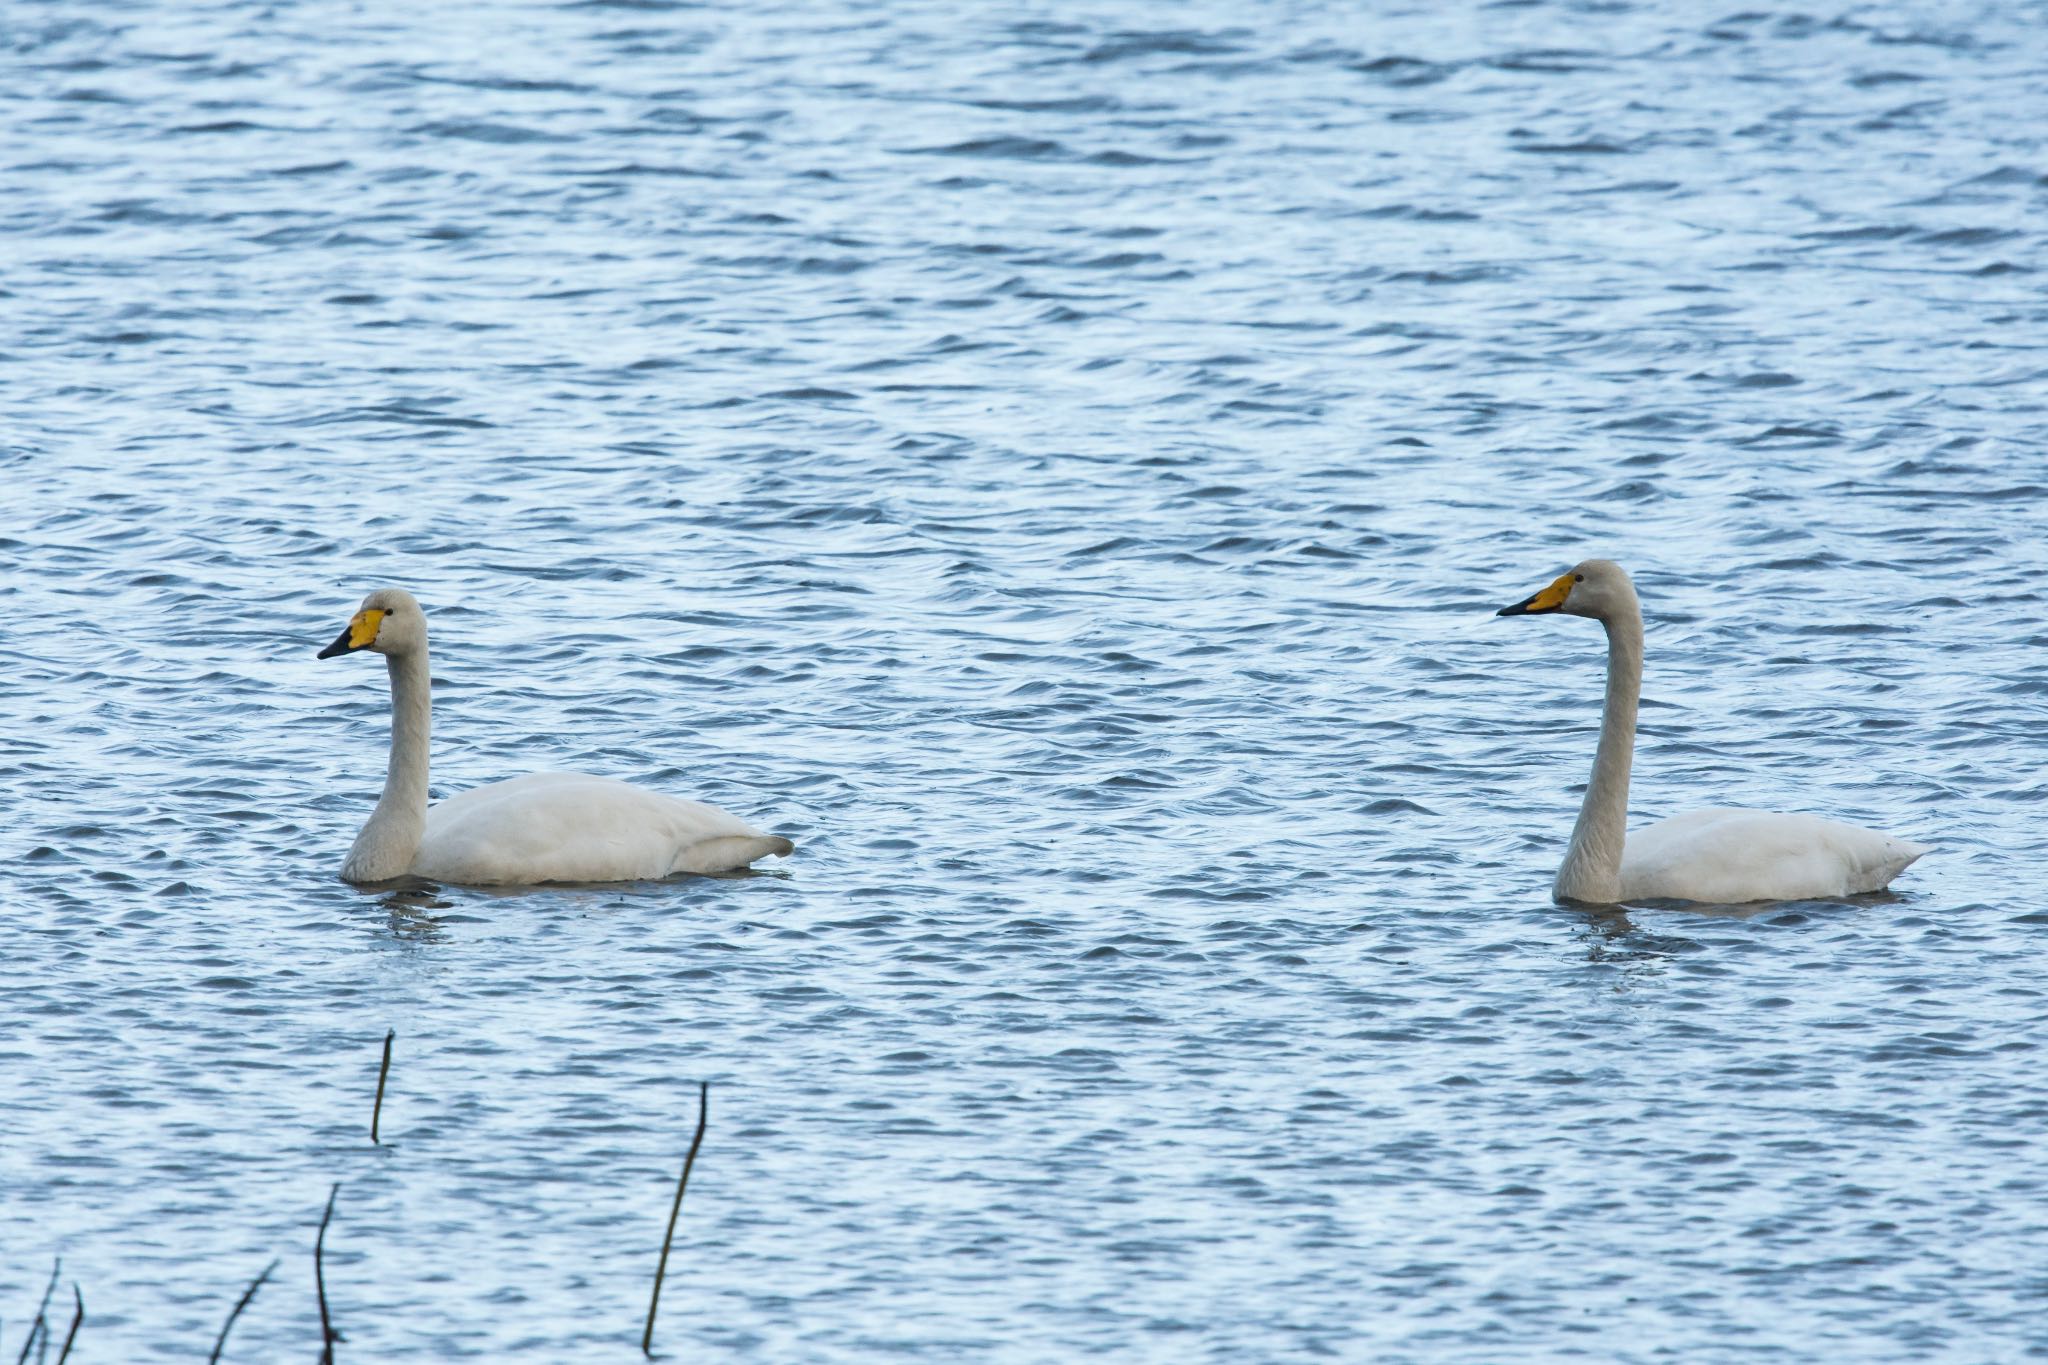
(1899, 854)
(729, 852)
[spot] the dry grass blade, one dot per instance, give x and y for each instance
(703, 1110)
(220, 1344)
(377, 1111)
(40, 1326)
(328, 1336)
(77, 1319)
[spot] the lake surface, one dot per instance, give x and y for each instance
(1058, 469)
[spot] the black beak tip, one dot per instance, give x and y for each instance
(340, 646)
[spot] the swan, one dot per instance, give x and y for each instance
(545, 827)
(1722, 856)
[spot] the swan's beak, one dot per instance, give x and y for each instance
(1550, 599)
(359, 633)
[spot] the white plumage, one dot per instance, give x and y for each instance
(1729, 856)
(545, 827)
(1723, 856)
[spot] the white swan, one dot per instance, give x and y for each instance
(1722, 856)
(546, 827)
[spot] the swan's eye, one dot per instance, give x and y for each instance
(1578, 578)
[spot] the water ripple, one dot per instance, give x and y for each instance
(1058, 472)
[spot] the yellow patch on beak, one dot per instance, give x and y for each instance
(362, 628)
(1550, 599)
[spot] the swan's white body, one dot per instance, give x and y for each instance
(545, 827)
(572, 827)
(1728, 856)
(1720, 856)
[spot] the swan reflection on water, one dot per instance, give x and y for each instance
(1612, 933)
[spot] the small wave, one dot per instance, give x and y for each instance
(1809, 435)
(1403, 71)
(1411, 213)
(1072, 104)
(1121, 158)
(1550, 61)
(1588, 146)
(1124, 46)
(1003, 148)
(1886, 232)
(2009, 175)
(1757, 379)
(639, 168)
(504, 134)
(1967, 236)
(1468, 274)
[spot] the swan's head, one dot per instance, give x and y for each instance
(390, 622)
(1595, 587)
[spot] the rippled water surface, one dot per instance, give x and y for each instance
(1056, 468)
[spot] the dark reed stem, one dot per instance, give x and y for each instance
(40, 1325)
(377, 1111)
(77, 1319)
(328, 1336)
(247, 1294)
(703, 1110)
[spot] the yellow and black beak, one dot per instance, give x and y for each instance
(1550, 599)
(359, 633)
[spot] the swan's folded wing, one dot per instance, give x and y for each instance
(1731, 856)
(573, 827)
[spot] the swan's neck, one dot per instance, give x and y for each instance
(391, 838)
(1592, 865)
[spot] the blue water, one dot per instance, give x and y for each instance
(1057, 469)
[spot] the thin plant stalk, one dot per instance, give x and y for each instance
(703, 1111)
(377, 1111)
(328, 1336)
(77, 1319)
(40, 1326)
(248, 1294)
